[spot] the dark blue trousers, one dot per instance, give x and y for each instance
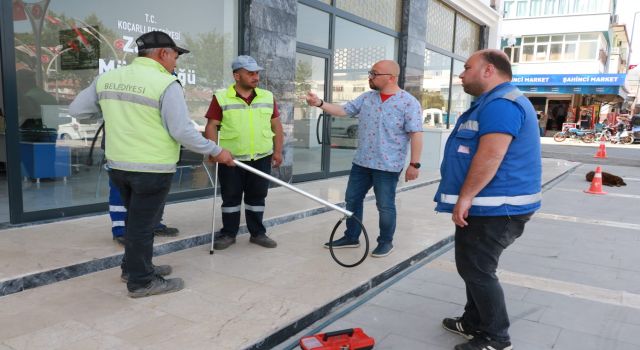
(236, 183)
(144, 196)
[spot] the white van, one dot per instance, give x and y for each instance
(78, 129)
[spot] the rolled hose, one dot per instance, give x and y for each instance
(366, 242)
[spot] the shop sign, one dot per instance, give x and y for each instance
(569, 80)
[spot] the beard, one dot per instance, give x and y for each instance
(372, 86)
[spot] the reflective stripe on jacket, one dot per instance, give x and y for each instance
(516, 187)
(136, 139)
(245, 130)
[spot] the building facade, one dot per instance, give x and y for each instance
(52, 164)
(570, 57)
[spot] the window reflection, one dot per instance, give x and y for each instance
(384, 12)
(307, 132)
(356, 49)
(59, 51)
(435, 89)
(312, 26)
(460, 100)
(440, 24)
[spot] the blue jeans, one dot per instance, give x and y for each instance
(478, 247)
(144, 196)
(384, 185)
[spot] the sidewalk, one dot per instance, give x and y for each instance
(239, 297)
(572, 281)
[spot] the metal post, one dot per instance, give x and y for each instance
(293, 188)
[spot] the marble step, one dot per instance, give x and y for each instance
(285, 205)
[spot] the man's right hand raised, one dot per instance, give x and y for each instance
(223, 157)
(312, 99)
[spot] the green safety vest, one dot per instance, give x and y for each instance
(136, 139)
(245, 129)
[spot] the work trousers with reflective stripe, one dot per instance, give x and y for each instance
(144, 196)
(236, 182)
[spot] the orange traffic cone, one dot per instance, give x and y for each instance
(596, 183)
(602, 152)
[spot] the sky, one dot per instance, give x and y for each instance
(626, 10)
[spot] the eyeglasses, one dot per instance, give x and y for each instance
(373, 74)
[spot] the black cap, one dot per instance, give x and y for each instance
(156, 39)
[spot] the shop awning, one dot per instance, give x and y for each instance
(582, 84)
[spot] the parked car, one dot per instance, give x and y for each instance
(78, 129)
(344, 126)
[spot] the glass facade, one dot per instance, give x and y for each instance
(435, 89)
(357, 48)
(61, 48)
(442, 97)
(312, 26)
(324, 146)
(440, 24)
(384, 12)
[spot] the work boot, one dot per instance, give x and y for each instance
(263, 240)
(158, 270)
(223, 242)
(157, 286)
(165, 231)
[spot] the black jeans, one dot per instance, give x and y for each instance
(144, 196)
(234, 182)
(478, 247)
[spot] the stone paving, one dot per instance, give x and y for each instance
(234, 299)
(572, 281)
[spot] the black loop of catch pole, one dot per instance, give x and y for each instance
(366, 243)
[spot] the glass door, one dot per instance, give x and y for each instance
(4, 187)
(309, 135)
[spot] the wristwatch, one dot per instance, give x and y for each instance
(415, 165)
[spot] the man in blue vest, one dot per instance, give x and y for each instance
(251, 130)
(146, 119)
(491, 183)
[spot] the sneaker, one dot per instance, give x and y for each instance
(157, 286)
(158, 270)
(263, 240)
(383, 249)
(481, 343)
(165, 231)
(120, 240)
(343, 242)
(223, 242)
(454, 325)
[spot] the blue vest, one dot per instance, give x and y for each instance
(516, 187)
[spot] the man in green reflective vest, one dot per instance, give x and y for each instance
(250, 129)
(146, 119)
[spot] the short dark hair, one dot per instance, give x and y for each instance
(499, 60)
